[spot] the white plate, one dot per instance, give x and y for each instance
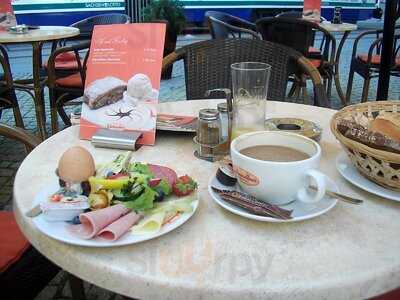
(349, 172)
(301, 211)
(58, 230)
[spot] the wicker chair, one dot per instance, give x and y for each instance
(313, 52)
(207, 66)
(66, 64)
(63, 89)
(24, 272)
(86, 26)
(367, 65)
(223, 26)
(299, 34)
(8, 99)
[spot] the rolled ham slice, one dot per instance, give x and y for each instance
(118, 228)
(94, 221)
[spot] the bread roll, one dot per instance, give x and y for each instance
(388, 124)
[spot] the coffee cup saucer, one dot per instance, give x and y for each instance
(301, 211)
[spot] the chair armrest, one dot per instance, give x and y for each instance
(321, 98)
(51, 70)
(374, 45)
(236, 29)
(360, 36)
(245, 23)
(29, 140)
(377, 43)
(170, 59)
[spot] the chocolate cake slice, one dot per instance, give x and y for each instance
(104, 91)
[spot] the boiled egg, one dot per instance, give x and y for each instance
(76, 165)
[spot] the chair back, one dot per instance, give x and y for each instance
(86, 26)
(223, 25)
(77, 49)
(292, 32)
(207, 64)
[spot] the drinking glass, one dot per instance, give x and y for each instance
(250, 85)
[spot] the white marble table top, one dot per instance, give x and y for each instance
(338, 27)
(43, 33)
(351, 252)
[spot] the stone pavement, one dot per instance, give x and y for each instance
(12, 154)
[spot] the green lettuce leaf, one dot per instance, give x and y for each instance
(164, 187)
(143, 202)
(140, 168)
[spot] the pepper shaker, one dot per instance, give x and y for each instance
(229, 105)
(208, 132)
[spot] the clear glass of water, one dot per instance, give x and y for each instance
(249, 86)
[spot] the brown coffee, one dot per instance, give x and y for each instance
(274, 153)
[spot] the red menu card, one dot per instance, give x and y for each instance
(312, 10)
(123, 79)
(5, 6)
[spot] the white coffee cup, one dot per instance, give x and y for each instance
(278, 182)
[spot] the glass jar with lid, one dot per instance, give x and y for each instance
(209, 128)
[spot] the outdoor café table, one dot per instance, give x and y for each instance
(351, 252)
(346, 28)
(37, 37)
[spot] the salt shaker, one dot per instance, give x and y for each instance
(208, 129)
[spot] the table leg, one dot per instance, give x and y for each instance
(37, 88)
(336, 71)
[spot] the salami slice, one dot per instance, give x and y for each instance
(94, 221)
(164, 173)
(118, 228)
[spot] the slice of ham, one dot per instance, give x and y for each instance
(94, 221)
(118, 228)
(163, 173)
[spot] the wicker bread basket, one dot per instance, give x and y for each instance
(380, 166)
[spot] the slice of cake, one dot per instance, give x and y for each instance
(104, 91)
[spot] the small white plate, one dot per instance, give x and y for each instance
(350, 173)
(58, 230)
(301, 211)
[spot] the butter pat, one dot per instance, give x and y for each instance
(64, 210)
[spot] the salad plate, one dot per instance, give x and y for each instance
(59, 230)
(351, 174)
(301, 211)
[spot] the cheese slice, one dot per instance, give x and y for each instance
(150, 224)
